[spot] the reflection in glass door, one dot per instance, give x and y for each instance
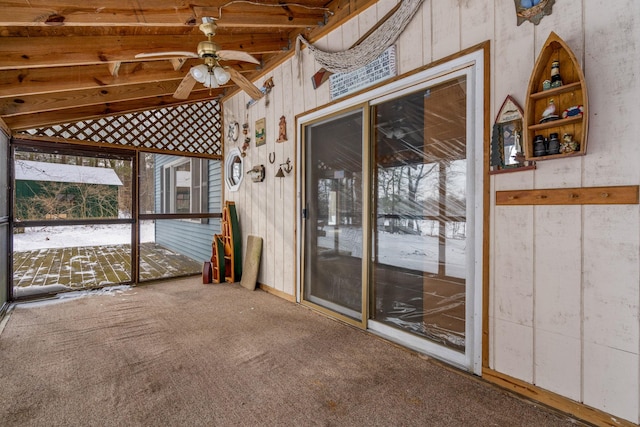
(420, 236)
(334, 204)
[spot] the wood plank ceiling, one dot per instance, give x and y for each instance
(63, 61)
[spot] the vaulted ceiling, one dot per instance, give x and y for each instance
(64, 61)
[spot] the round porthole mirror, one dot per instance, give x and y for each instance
(233, 169)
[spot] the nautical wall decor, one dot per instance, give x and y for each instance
(370, 48)
(507, 146)
(557, 105)
(282, 129)
(265, 90)
(233, 131)
(533, 10)
(261, 132)
(247, 139)
(257, 173)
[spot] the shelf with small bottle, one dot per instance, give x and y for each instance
(556, 104)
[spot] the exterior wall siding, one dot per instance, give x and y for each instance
(190, 238)
(564, 294)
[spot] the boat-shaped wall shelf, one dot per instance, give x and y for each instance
(556, 109)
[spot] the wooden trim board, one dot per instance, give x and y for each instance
(625, 194)
(561, 403)
(276, 292)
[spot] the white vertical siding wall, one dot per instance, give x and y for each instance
(564, 304)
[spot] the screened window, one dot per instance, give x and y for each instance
(184, 186)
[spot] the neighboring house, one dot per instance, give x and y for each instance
(187, 185)
(58, 191)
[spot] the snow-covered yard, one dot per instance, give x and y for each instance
(55, 259)
(80, 235)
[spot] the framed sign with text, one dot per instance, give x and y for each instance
(378, 70)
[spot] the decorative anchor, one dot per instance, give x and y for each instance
(287, 168)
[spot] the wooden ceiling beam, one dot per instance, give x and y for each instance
(58, 12)
(253, 16)
(43, 30)
(77, 14)
(70, 115)
(56, 51)
(33, 81)
(13, 106)
(31, 104)
(14, 83)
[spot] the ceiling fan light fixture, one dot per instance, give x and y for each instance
(210, 81)
(222, 75)
(199, 72)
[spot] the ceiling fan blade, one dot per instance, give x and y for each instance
(168, 54)
(245, 84)
(236, 55)
(185, 87)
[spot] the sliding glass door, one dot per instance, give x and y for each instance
(419, 239)
(392, 208)
(333, 262)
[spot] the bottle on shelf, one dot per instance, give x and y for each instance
(556, 79)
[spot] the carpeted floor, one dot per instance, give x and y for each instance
(181, 353)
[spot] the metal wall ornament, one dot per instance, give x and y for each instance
(257, 173)
(233, 131)
(533, 10)
(247, 138)
(287, 168)
(507, 147)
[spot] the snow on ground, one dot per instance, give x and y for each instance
(80, 235)
(68, 296)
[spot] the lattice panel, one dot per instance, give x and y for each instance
(190, 128)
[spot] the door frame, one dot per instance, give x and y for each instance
(6, 240)
(474, 59)
(366, 208)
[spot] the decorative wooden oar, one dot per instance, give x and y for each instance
(323, 75)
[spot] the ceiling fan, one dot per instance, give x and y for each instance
(211, 74)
